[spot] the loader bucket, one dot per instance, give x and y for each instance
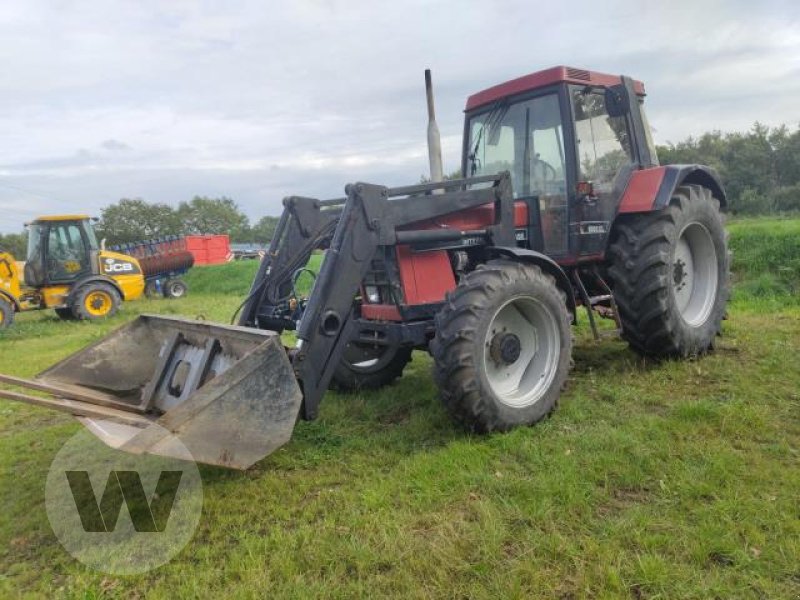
(228, 394)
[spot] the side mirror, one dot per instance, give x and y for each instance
(617, 101)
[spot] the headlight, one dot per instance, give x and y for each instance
(373, 294)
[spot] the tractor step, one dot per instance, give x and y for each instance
(228, 394)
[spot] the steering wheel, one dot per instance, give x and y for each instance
(545, 167)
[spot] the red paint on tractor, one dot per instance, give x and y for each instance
(640, 194)
(544, 78)
(380, 312)
(425, 276)
(479, 217)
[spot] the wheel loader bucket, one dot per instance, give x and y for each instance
(228, 394)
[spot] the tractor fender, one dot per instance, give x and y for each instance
(651, 189)
(89, 279)
(11, 300)
(544, 262)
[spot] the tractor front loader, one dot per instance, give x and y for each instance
(564, 205)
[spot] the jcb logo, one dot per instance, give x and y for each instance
(116, 267)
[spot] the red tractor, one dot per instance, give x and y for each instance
(562, 204)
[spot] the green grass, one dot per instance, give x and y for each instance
(766, 259)
(651, 480)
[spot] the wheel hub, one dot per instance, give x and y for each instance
(679, 274)
(505, 348)
(695, 275)
(521, 365)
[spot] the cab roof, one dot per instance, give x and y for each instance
(544, 78)
(61, 218)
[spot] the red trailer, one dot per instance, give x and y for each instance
(209, 249)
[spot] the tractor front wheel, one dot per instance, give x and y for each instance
(503, 347)
(669, 272)
(369, 367)
(95, 301)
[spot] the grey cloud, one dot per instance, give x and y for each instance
(257, 101)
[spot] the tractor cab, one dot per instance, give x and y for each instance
(570, 142)
(60, 250)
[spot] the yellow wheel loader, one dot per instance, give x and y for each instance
(66, 270)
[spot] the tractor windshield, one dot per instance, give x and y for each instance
(526, 139)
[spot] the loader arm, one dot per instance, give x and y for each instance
(356, 227)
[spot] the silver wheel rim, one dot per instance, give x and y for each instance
(523, 382)
(694, 274)
(176, 289)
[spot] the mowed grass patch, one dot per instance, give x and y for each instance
(667, 479)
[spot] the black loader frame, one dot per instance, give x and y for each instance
(356, 229)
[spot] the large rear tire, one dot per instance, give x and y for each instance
(6, 313)
(503, 347)
(369, 368)
(670, 275)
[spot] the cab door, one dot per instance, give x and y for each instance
(67, 253)
(605, 160)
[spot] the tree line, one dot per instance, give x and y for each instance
(760, 169)
(134, 219)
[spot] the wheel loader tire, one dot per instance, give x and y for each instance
(65, 314)
(6, 313)
(175, 288)
(670, 275)
(359, 370)
(95, 301)
(503, 347)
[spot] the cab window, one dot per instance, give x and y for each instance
(67, 253)
(603, 142)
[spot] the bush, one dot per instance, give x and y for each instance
(787, 199)
(751, 202)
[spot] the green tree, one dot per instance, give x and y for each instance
(15, 243)
(130, 220)
(214, 215)
(263, 230)
(760, 168)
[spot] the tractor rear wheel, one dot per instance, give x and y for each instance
(6, 313)
(367, 367)
(503, 347)
(95, 301)
(669, 272)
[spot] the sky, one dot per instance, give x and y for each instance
(258, 100)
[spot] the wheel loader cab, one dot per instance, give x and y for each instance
(569, 141)
(69, 272)
(60, 250)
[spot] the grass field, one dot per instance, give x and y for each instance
(651, 480)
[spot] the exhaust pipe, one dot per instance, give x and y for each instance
(434, 139)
